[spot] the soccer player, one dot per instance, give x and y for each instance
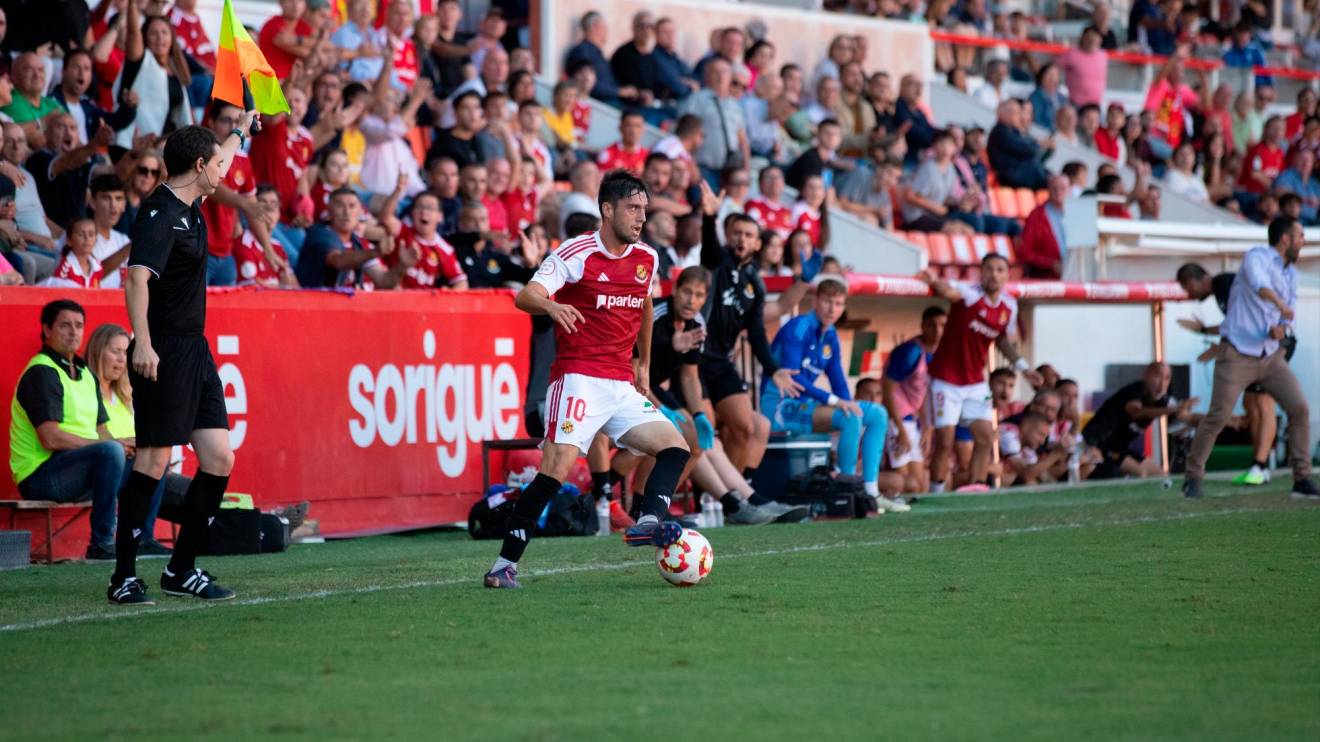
(904, 389)
(1124, 417)
(736, 303)
(979, 316)
(597, 290)
(809, 345)
(177, 395)
(1260, 407)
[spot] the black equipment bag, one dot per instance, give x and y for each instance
(572, 513)
(830, 496)
(485, 522)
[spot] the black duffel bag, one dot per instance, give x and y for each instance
(829, 495)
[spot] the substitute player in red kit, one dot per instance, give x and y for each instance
(597, 290)
(979, 316)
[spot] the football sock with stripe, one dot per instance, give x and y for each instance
(200, 505)
(660, 485)
(134, 501)
(525, 514)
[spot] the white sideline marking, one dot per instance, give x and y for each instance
(368, 589)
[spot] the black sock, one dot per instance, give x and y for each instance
(1261, 464)
(601, 486)
(759, 499)
(134, 499)
(731, 503)
(660, 485)
(749, 473)
(525, 513)
(199, 505)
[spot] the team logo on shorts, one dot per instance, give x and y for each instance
(567, 427)
(643, 275)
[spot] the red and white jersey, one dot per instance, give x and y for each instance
(250, 260)
(522, 208)
(974, 323)
(581, 120)
(436, 259)
(321, 200)
(69, 273)
(807, 218)
(540, 154)
(609, 292)
(616, 156)
(301, 148)
(222, 225)
(496, 212)
(1010, 444)
(406, 66)
(192, 37)
(771, 215)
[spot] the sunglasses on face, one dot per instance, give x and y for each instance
(153, 172)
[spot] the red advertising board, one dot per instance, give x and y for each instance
(371, 405)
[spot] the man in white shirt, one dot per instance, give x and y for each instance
(991, 94)
(31, 219)
(108, 203)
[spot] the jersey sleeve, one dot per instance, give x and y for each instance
(791, 347)
(1010, 440)
(970, 293)
(41, 396)
(1011, 328)
(903, 361)
(555, 271)
(838, 380)
(152, 238)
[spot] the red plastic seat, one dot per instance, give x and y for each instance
(939, 249)
(1003, 202)
(963, 252)
(1026, 199)
(1004, 246)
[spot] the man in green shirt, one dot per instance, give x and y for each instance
(59, 447)
(30, 104)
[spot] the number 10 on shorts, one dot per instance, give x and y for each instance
(575, 408)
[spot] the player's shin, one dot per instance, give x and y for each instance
(875, 424)
(199, 505)
(134, 500)
(523, 521)
(669, 465)
(850, 440)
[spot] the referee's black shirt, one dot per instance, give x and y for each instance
(169, 239)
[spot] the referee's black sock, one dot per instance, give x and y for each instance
(660, 485)
(134, 499)
(199, 506)
(525, 514)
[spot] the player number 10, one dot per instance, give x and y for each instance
(576, 408)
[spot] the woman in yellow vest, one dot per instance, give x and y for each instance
(59, 446)
(107, 357)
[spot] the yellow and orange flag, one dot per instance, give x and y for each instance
(239, 58)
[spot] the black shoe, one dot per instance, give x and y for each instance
(131, 592)
(96, 553)
(1192, 489)
(1304, 489)
(196, 583)
(150, 547)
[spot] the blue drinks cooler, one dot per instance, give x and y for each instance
(788, 455)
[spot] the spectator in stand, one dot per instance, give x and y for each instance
(681, 146)
(388, 158)
(559, 120)
(764, 132)
(853, 113)
(1244, 53)
(1182, 179)
(358, 43)
(235, 194)
(585, 181)
(461, 142)
(78, 267)
(1014, 155)
(453, 48)
(1102, 20)
(662, 234)
(675, 75)
(957, 79)
(728, 44)
(72, 97)
(635, 65)
(1043, 248)
(1149, 203)
(493, 79)
(828, 90)
(880, 94)
(1152, 26)
(1077, 176)
(930, 204)
(1217, 173)
(822, 159)
(591, 51)
(874, 202)
(772, 260)
(29, 104)
(1309, 137)
(736, 184)
(287, 37)
(907, 112)
(1248, 123)
(991, 92)
(1065, 125)
(59, 446)
(842, 50)
(485, 265)
(969, 192)
(1307, 108)
(806, 260)
(657, 174)
(9, 275)
(1047, 99)
(63, 168)
(759, 59)
(1086, 69)
(37, 231)
(111, 246)
(768, 209)
(250, 258)
(1088, 123)
(1109, 140)
(156, 71)
(1218, 113)
(434, 261)
(627, 153)
(337, 253)
(725, 144)
(1301, 180)
(1167, 101)
(1263, 163)
(33, 264)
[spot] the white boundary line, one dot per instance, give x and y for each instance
(369, 589)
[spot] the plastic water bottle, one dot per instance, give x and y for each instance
(602, 517)
(1075, 464)
(719, 514)
(708, 517)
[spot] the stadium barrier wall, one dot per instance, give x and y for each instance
(372, 406)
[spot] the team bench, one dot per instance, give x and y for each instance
(48, 507)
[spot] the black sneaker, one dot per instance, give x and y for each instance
(150, 547)
(131, 592)
(98, 553)
(1192, 489)
(1304, 489)
(196, 583)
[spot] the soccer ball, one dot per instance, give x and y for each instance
(687, 561)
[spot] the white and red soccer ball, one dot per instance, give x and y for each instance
(687, 561)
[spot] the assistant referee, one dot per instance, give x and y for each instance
(177, 395)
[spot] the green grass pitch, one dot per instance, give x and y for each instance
(1115, 612)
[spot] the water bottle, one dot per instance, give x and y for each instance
(602, 517)
(708, 516)
(719, 514)
(1075, 465)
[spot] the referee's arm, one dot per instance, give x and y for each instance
(144, 358)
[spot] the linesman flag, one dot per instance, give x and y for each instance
(239, 58)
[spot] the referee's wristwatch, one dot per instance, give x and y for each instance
(242, 137)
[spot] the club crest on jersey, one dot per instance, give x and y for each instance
(643, 275)
(827, 352)
(567, 427)
(749, 292)
(493, 265)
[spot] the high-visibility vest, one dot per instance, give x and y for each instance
(81, 402)
(121, 417)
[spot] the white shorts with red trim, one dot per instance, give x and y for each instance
(913, 454)
(578, 406)
(960, 404)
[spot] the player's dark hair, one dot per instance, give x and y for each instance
(1001, 372)
(106, 183)
(52, 310)
(618, 185)
(1191, 272)
(579, 224)
(931, 312)
(186, 146)
(688, 123)
(993, 256)
(693, 274)
(1280, 226)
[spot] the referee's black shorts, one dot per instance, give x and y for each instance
(187, 394)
